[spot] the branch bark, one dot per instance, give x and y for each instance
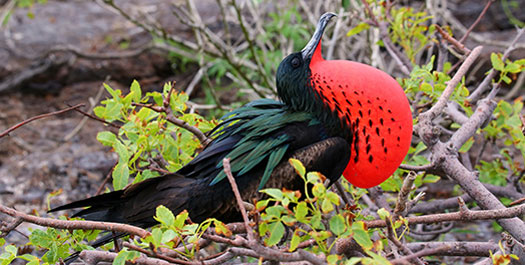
(468, 215)
(85, 225)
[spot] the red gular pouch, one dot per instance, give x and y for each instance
(377, 110)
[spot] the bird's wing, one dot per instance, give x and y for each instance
(253, 135)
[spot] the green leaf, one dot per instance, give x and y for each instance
(106, 138)
(506, 79)
(135, 89)
(360, 27)
(222, 229)
(296, 239)
(468, 144)
(318, 190)
(316, 221)
(327, 206)
(275, 211)
(8, 256)
(29, 258)
(426, 87)
(288, 220)
(298, 166)
(337, 224)
(497, 63)
(181, 219)
(378, 259)
(301, 210)
(125, 255)
(164, 216)
(11, 249)
(314, 177)
(191, 229)
(275, 193)
(99, 111)
(260, 205)
(41, 238)
(276, 233)
(513, 68)
(333, 197)
(34, 262)
(122, 151)
(114, 93)
(112, 111)
(383, 214)
(354, 261)
(506, 108)
(120, 175)
(361, 236)
(333, 259)
(168, 235)
(419, 147)
(156, 236)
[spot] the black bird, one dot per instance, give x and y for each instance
(326, 119)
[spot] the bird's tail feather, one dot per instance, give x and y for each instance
(98, 200)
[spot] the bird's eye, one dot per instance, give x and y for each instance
(296, 62)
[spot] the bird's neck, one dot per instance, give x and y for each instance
(316, 102)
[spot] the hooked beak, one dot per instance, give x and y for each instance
(308, 51)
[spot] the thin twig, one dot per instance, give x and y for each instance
(484, 85)
(97, 118)
(392, 237)
(452, 40)
(155, 254)
(251, 46)
(178, 122)
(8, 227)
(452, 84)
(402, 196)
(84, 120)
(348, 201)
(238, 198)
(421, 253)
(483, 12)
(106, 180)
(399, 57)
(41, 116)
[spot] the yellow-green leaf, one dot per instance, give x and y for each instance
(276, 233)
(337, 224)
(497, 63)
(120, 175)
(360, 27)
(296, 239)
(135, 89)
(361, 235)
(222, 229)
(298, 166)
(164, 215)
(106, 138)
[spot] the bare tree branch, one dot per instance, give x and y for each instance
(85, 225)
(468, 215)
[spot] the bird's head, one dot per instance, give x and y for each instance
(294, 71)
(367, 105)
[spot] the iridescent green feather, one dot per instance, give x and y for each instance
(260, 122)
